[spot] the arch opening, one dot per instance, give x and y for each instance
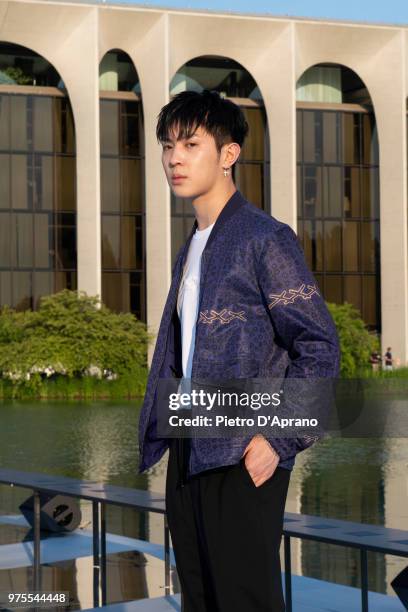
(38, 208)
(252, 171)
(338, 201)
(122, 185)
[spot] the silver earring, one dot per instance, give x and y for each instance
(226, 171)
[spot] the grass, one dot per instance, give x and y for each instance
(87, 388)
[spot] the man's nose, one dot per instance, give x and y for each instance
(176, 156)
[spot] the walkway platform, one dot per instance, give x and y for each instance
(309, 595)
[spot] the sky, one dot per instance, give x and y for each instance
(385, 11)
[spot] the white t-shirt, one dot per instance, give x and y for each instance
(188, 296)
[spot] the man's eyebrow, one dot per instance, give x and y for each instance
(185, 137)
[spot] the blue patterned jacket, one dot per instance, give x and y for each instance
(261, 315)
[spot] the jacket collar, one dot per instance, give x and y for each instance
(230, 208)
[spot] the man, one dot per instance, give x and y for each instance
(388, 360)
(242, 304)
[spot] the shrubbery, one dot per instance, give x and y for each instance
(356, 342)
(70, 339)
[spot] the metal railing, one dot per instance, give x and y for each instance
(342, 533)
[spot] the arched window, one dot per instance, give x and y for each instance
(231, 80)
(122, 185)
(338, 187)
(37, 180)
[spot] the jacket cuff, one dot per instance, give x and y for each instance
(285, 447)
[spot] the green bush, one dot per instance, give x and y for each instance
(356, 342)
(70, 338)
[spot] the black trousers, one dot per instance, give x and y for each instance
(226, 534)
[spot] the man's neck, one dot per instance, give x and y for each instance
(207, 207)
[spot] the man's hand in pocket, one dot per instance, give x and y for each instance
(260, 459)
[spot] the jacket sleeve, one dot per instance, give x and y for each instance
(301, 320)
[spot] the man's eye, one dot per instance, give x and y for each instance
(166, 147)
(191, 144)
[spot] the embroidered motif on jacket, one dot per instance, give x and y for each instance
(224, 316)
(288, 296)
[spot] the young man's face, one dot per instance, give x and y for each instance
(193, 166)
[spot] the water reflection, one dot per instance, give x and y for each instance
(358, 480)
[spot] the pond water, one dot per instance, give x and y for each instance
(362, 480)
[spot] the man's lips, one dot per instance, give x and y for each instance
(177, 178)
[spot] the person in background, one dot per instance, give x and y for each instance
(388, 360)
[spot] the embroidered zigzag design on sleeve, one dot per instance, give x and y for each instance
(288, 296)
(224, 316)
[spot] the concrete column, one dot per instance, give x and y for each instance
(388, 89)
(82, 79)
(155, 94)
(279, 93)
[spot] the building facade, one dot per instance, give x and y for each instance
(83, 199)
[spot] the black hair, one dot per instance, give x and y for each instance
(189, 110)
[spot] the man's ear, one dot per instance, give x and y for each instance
(230, 153)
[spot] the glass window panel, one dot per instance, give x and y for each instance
(65, 280)
(65, 183)
(43, 192)
(351, 138)
(332, 289)
(112, 290)
(109, 118)
(179, 206)
(299, 188)
(131, 171)
(4, 181)
(23, 224)
(41, 241)
(4, 122)
(5, 288)
(313, 244)
(63, 126)
(138, 295)
(249, 180)
(351, 199)
(131, 128)
(299, 231)
(20, 137)
(66, 248)
(370, 253)
(312, 136)
(351, 245)
(43, 285)
(254, 145)
(43, 119)
(299, 135)
(5, 240)
(370, 193)
(125, 292)
(371, 301)
(319, 278)
(330, 138)
(110, 185)
(140, 255)
(370, 140)
(110, 242)
(20, 171)
(332, 246)
(312, 200)
(22, 294)
(352, 290)
(177, 237)
(68, 139)
(332, 191)
(128, 243)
